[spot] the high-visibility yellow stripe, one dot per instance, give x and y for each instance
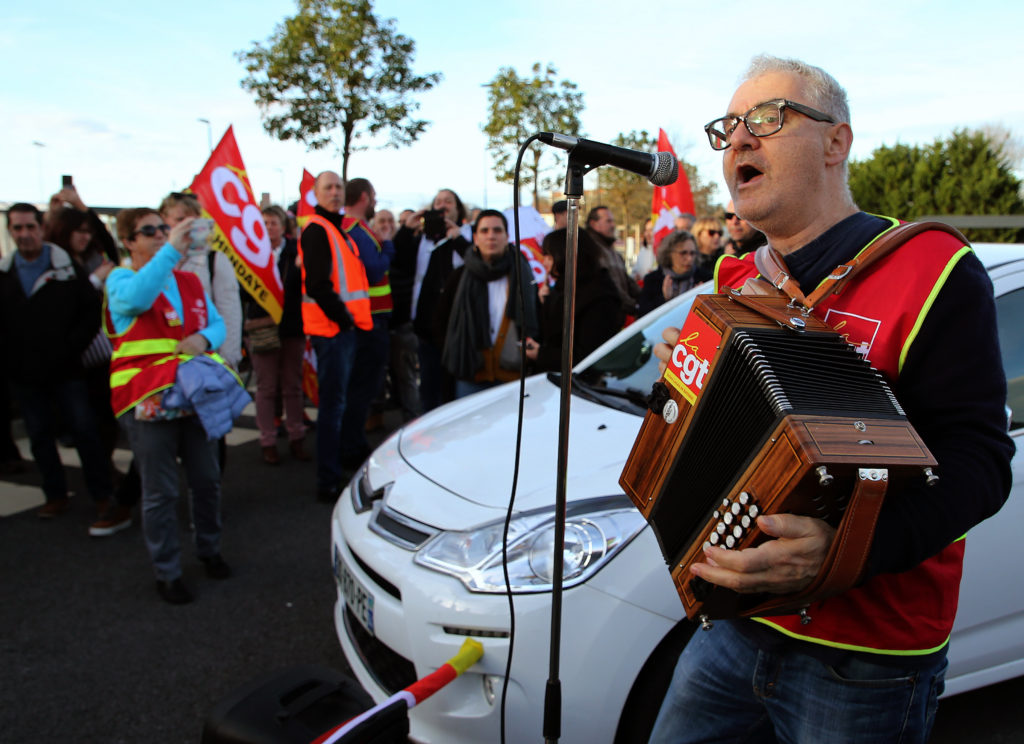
(123, 376)
(145, 347)
(380, 291)
(940, 282)
(850, 646)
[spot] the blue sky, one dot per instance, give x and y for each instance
(114, 90)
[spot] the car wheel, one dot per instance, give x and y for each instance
(644, 700)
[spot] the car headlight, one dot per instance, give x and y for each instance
(595, 530)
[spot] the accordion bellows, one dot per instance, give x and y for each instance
(764, 410)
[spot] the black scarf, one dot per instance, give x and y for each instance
(469, 330)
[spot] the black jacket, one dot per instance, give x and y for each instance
(291, 276)
(318, 261)
(43, 336)
(598, 317)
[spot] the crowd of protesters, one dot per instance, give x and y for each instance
(126, 338)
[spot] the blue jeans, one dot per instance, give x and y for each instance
(156, 446)
(71, 398)
(469, 387)
(726, 689)
(335, 357)
(365, 384)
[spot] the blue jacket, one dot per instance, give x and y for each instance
(212, 391)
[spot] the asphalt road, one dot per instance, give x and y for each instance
(89, 653)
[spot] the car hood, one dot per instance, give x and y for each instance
(467, 448)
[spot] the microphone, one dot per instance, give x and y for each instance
(659, 168)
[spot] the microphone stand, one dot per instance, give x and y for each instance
(553, 690)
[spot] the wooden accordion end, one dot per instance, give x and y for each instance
(764, 409)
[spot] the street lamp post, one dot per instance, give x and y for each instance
(39, 165)
(209, 132)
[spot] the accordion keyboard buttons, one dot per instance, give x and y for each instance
(732, 521)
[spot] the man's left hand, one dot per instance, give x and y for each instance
(780, 566)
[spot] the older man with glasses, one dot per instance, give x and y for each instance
(866, 664)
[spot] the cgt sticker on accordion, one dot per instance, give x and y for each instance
(691, 359)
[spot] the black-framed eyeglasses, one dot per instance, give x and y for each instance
(761, 121)
(150, 230)
(730, 215)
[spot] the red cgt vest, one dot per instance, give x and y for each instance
(380, 292)
(143, 361)
(880, 312)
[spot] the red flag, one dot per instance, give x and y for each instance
(310, 382)
(672, 200)
(225, 194)
(307, 200)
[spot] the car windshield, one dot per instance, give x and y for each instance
(620, 373)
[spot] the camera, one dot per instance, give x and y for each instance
(199, 235)
(434, 226)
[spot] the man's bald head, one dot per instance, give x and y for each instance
(329, 191)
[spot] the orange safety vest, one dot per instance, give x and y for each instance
(909, 613)
(143, 361)
(380, 291)
(348, 278)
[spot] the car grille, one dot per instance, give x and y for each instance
(391, 671)
(376, 578)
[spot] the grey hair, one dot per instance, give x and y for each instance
(669, 242)
(826, 94)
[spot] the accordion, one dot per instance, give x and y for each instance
(765, 409)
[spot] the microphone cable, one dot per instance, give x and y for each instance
(520, 288)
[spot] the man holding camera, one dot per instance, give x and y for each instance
(429, 245)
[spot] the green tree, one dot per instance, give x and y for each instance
(521, 106)
(333, 66)
(965, 174)
(630, 195)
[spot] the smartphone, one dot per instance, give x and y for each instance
(65, 181)
(434, 226)
(199, 235)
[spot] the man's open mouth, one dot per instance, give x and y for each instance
(746, 173)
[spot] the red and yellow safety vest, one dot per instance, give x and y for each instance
(143, 361)
(881, 312)
(348, 276)
(380, 291)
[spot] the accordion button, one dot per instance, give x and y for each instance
(714, 538)
(727, 518)
(735, 509)
(737, 532)
(753, 511)
(744, 498)
(720, 528)
(725, 503)
(730, 541)
(745, 521)
(716, 514)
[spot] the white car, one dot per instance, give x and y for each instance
(417, 553)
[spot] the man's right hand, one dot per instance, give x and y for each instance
(415, 221)
(664, 350)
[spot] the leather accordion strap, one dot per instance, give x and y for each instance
(844, 562)
(772, 266)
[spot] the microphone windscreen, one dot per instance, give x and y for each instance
(666, 169)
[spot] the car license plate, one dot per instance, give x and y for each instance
(357, 597)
